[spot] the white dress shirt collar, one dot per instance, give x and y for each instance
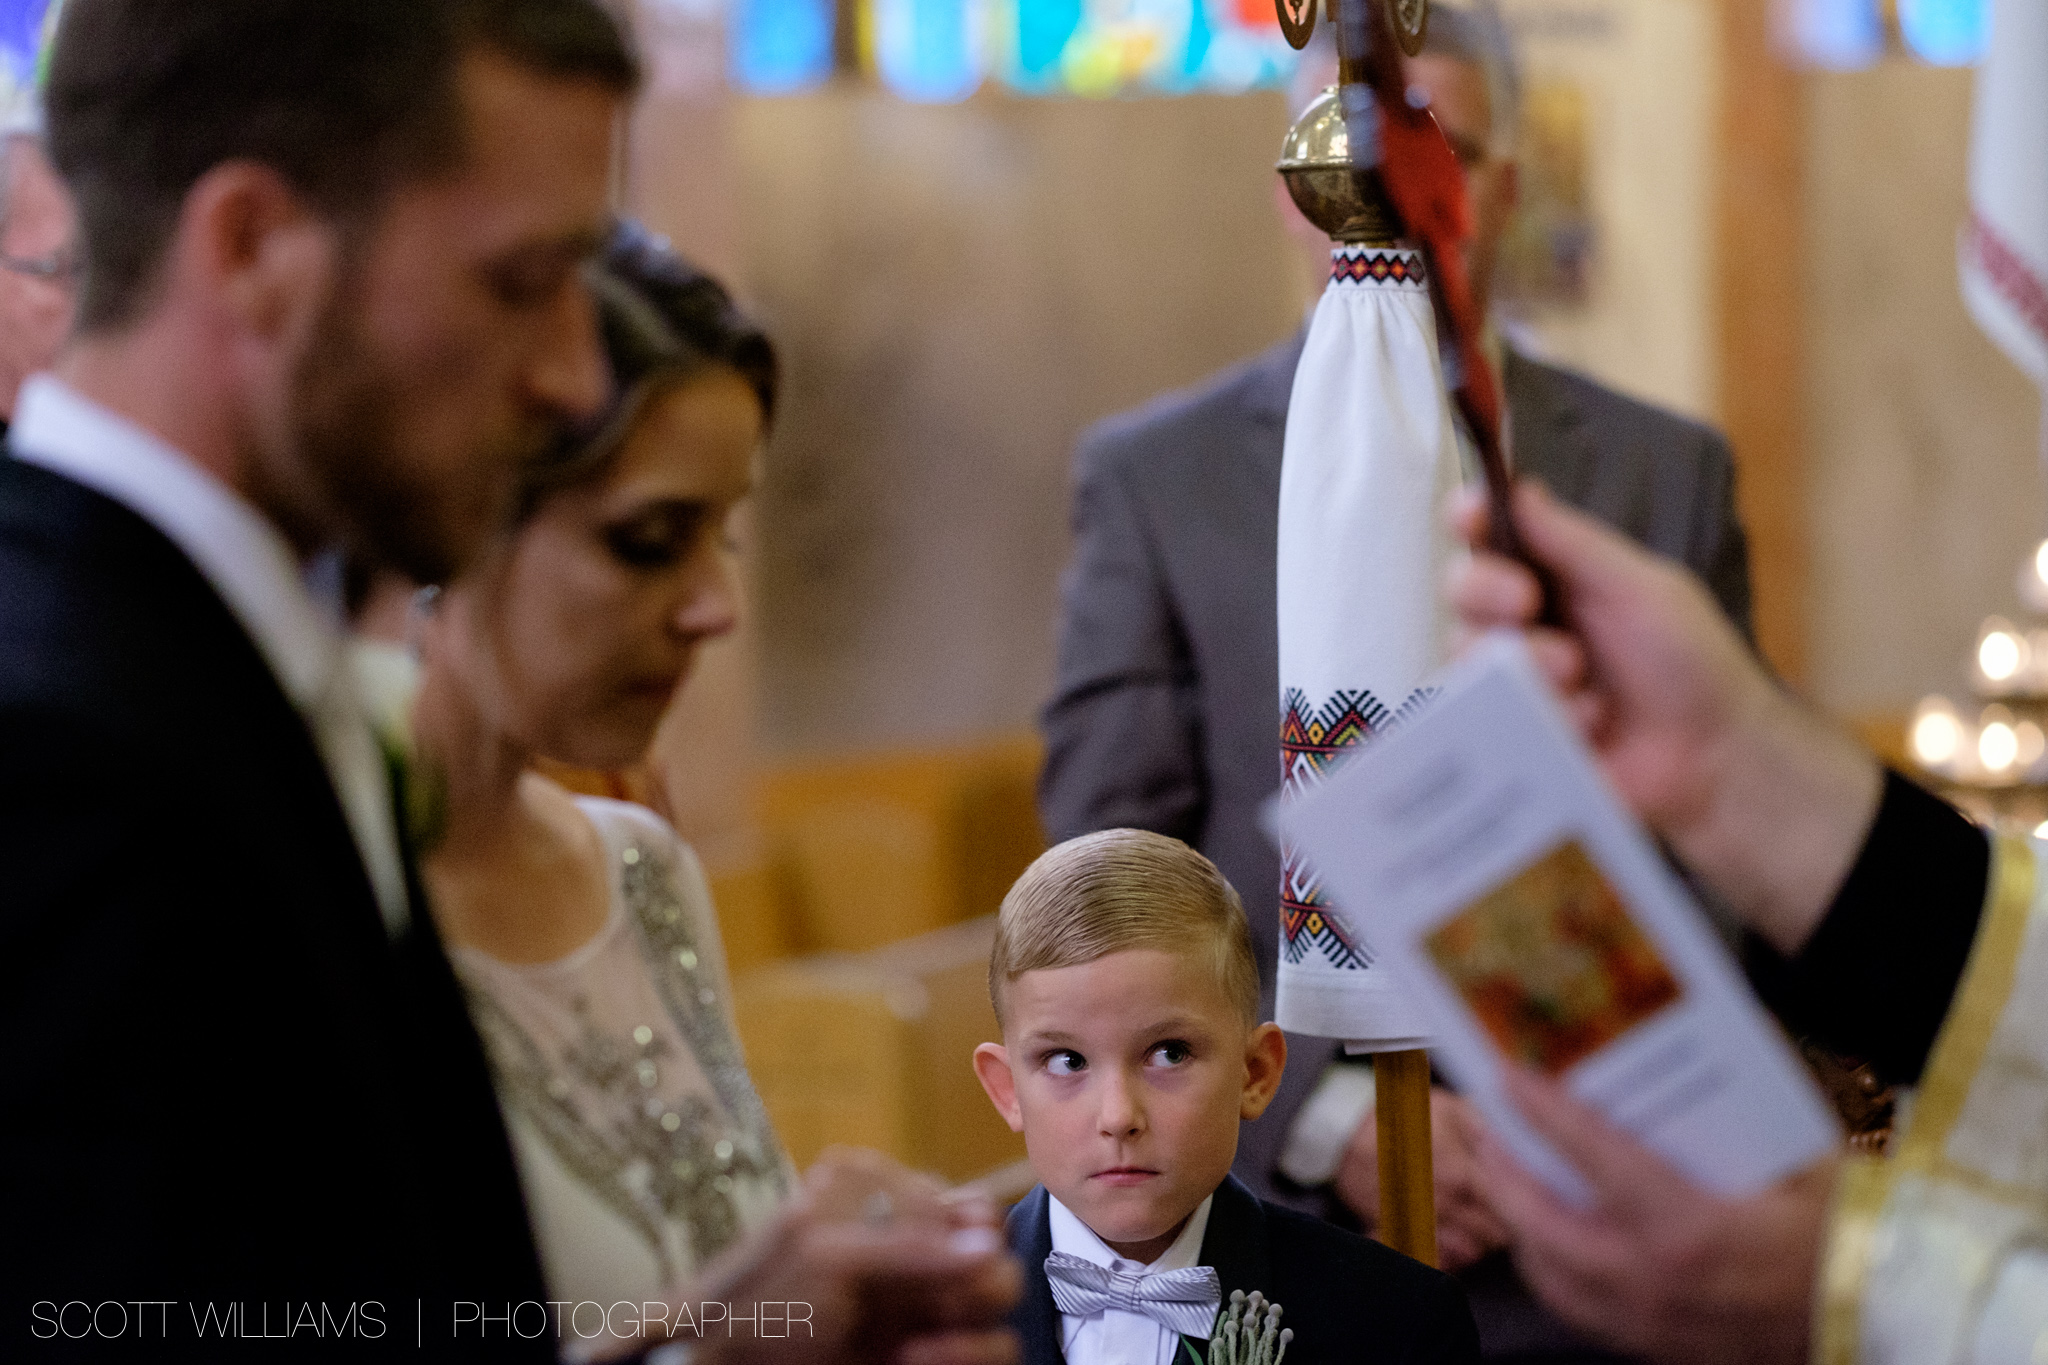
(250, 565)
(1076, 1238)
(1115, 1336)
(240, 553)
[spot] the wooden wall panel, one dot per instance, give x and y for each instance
(1763, 321)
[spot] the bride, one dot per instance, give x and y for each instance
(583, 929)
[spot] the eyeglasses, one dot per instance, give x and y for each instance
(60, 267)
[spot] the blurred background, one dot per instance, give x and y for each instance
(976, 226)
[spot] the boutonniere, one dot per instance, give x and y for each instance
(386, 681)
(1247, 1332)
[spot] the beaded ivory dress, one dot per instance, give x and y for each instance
(642, 1146)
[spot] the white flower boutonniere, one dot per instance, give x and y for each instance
(1247, 1332)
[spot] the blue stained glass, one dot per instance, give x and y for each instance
(1837, 34)
(928, 50)
(778, 47)
(1244, 49)
(1200, 37)
(21, 37)
(1107, 48)
(1043, 30)
(1944, 32)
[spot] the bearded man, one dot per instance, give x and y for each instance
(332, 298)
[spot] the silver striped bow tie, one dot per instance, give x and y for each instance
(1182, 1301)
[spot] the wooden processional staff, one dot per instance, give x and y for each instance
(1373, 170)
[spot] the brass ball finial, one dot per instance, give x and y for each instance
(1315, 161)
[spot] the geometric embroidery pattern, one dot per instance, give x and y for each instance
(1311, 739)
(1377, 267)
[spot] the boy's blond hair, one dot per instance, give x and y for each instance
(1121, 889)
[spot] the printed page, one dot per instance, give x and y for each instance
(1533, 921)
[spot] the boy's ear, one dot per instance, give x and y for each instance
(992, 1065)
(1265, 1057)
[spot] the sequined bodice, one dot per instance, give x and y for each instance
(621, 1066)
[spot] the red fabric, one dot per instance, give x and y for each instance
(1427, 185)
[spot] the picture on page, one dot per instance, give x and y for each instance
(1551, 963)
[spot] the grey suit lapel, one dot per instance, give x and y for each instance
(1264, 414)
(1549, 431)
(1273, 386)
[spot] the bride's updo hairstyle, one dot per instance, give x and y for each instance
(663, 322)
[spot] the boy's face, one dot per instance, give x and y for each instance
(1127, 1077)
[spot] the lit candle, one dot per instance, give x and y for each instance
(1997, 745)
(1936, 733)
(2001, 651)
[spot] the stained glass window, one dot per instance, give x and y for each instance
(1944, 32)
(928, 50)
(943, 49)
(779, 47)
(1097, 48)
(22, 27)
(1839, 35)
(1845, 34)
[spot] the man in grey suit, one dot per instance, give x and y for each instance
(1165, 713)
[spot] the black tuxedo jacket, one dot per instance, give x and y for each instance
(1349, 1301)
(225, 1083)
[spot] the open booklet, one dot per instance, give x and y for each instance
(1532, 921)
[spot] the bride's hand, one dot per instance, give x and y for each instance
(869, 1264)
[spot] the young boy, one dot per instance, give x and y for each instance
(1124, 984)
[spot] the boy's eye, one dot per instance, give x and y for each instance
(1065, 1062)
(1171, 1053)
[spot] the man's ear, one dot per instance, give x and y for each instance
(258, 249)
(1265, 1057)
(992, 1065)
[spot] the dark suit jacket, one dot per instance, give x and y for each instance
(224, 1081)
(1165, 711)
(1349, 1301)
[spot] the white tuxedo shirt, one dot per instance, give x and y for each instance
(1115, 1336)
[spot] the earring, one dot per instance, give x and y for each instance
(417, 614)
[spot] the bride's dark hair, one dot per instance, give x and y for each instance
(663, 322)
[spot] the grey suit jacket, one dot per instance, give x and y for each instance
(1165, 712)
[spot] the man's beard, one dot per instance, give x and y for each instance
(392, 510)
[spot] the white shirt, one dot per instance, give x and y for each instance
(249, 563)
(1114, 1336)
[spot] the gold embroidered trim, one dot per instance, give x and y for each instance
(1979, 1004)
(1860, 1193)
(1866, 1184)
